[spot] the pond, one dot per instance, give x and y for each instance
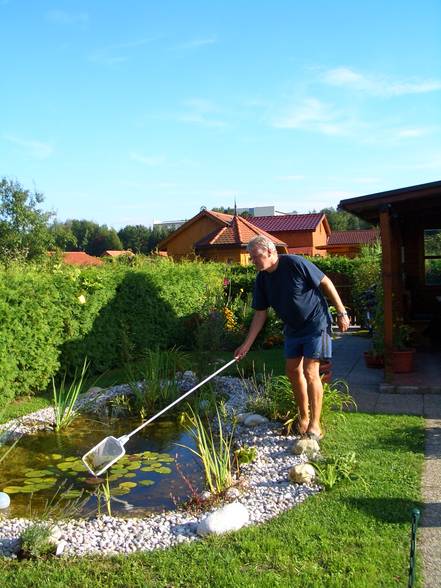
(46, 468)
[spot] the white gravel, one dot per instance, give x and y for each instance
(264, 490)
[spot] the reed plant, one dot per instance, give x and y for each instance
(153, 385)
(65, 397)
(214, 449)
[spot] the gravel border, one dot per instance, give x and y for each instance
(264, 490)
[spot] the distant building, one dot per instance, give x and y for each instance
(169, 225)
(117, 253)
(260, 211)
(349, 243)
(80, 258)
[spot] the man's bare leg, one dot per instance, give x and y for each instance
(315, 393)
(294, 371)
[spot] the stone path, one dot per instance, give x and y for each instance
(364, 384)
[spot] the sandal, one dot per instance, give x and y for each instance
(314, 436)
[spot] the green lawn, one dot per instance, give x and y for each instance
(349, 536)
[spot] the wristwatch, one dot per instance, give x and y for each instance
(339, 314)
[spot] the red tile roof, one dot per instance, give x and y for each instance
(356, 237)
(239, 232)
(288, 222)
(117, 253)
(80, 258)
(219, 217)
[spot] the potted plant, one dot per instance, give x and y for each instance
(403, 353)
(375, 357)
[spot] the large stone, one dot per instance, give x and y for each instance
(309, 447)
(230, 517)
(303, 473)
(255, 419)
(5, 501)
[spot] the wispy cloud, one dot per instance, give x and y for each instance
(412, 133)
(378, 85)
(196, 43)
(68, 18)
(201, 112)
(150, 160)
(32, 148)
(313, 115)
(118, 52)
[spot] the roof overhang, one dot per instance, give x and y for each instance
(402, 200)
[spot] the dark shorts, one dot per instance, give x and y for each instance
(311, 346)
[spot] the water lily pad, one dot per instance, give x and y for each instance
(127, 485)
(135, 465)
(37, 473)
(164, 457)
(168, 459)
(114, 477)
(71, 494)
(94, 481)
(121, 491)
(146, 482)
(163, 470)
(56, 456)
(147, 469)
(12, 489)
(71, 458)
(130, 475)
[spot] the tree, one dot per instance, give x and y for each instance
(135, 238)
(103, 240)
(141, 239)
(63, 236)
(84, 230)
(340, 220)
(24, 231)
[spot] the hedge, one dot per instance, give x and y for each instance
(53, 316)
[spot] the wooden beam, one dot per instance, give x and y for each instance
(387, 272)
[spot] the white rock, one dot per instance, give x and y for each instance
(255, 419)
(230, 517)
(56, 534)
(309, 447)
(241, 417)
(232, 493)
(5, 501)
(61, 546)
(206, 495)
(303, 473)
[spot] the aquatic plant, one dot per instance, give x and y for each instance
(153, 384)
(65, 397)
(214, 451)
(36, 541)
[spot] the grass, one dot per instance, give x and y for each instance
(354, 535)
(350, 536)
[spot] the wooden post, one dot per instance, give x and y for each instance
(387, 272)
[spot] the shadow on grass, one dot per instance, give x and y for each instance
(385, 509)
(403, 439)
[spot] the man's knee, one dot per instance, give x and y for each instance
(294, 369)
(312, 372)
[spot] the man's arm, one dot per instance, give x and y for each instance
(257, 323)
(331, 293)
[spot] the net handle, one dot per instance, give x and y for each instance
(125, 438)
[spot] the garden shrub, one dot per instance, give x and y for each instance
(54, 315)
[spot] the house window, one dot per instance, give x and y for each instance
(432, 257)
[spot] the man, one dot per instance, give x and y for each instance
(295, 288)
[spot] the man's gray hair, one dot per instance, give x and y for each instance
(262, 242)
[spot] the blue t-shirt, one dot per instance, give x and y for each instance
(294, 293)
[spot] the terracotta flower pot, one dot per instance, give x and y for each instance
(373, 361)
(402, 361)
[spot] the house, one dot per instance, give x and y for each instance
(410, 229)
(181, 243)
(117, 253)
(303, 233)
(80, 258)
(228, 243)
(349, 243)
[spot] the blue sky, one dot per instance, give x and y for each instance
(129, 112)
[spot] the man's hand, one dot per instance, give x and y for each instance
(241, 351)
(343, 323)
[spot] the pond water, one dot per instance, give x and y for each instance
(47, 467)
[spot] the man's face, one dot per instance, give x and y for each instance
(263, 258)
